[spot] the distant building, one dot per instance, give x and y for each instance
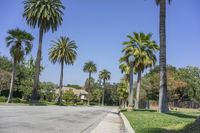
(82, 94)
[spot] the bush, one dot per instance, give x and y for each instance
(3, 99)
(93, 103)
(69, 104)
(70, 97)
(80, 103)
(16, 100)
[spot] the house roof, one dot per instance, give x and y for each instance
(76, 91)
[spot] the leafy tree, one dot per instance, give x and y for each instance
(104, 75)
(111, 94)
(62, 51)
(89, 67)
(143, 48)
(48, 91)
(163, 103)
(150, 84)
(190, 75)
(4, 80)
(69, 96)
(46, 15)
(25, 76)
(6, 64)
(122, 90)
(20, 43)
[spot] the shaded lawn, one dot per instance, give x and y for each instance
(150, 121)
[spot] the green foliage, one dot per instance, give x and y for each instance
(2, 99)
(20, 43)
(150, 85)
(122, 89)
(69, 96)
(111, 94)
(63, 51)
(4, 80)
(143, 48)
(96, 94)
(44, 14)
(190, 75)
(47, 91)
(104, 75)
(16, 100)
(6, 64)
(90, 67)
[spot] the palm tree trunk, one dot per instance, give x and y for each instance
(12, 82)
(130, 99)
(103, 95)
(37, 68)
(163, 99)
(61, 84)
(89, 89)
(138, 90)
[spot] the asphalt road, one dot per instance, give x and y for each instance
(50, 119)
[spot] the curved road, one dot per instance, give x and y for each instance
(50, 119)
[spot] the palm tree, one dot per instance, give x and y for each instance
(20, 43)
(62, 51)
(163, 98)
(46, 15)
(89, 67)
(143, 49)
(104, 75)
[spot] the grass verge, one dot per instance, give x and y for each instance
(150, 121)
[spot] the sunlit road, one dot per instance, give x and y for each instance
(50, 119)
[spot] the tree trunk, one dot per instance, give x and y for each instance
(12, 82)
(37, 68)
(130, 99)
(137, 100)
(163, 99)
(61, 84)
(103, 95)
(89, 89)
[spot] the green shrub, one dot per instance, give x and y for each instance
(69, 104)
(70, 97)
(3, 99)
(16, 100)
(80, 103)
(93, 103)
(23, 101)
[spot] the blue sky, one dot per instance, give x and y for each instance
(100, 26)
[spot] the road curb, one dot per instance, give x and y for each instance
(127, 125)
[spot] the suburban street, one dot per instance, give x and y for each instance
(54, 119)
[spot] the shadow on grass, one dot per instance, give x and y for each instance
(146, 110)
(180, 115)
(190, 128)
(156, 130)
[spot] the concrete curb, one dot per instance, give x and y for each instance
(127, 125)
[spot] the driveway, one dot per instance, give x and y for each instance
(51, 119)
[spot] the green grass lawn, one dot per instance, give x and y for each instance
(181, 121)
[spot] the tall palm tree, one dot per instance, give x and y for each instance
(143, 48)
(163, 98)
(46, 15)
(89, 67)
(104, 75)
(20, 43)
(62, 51)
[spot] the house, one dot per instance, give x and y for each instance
(82, 94)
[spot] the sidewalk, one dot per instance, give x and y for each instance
(112, 123)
